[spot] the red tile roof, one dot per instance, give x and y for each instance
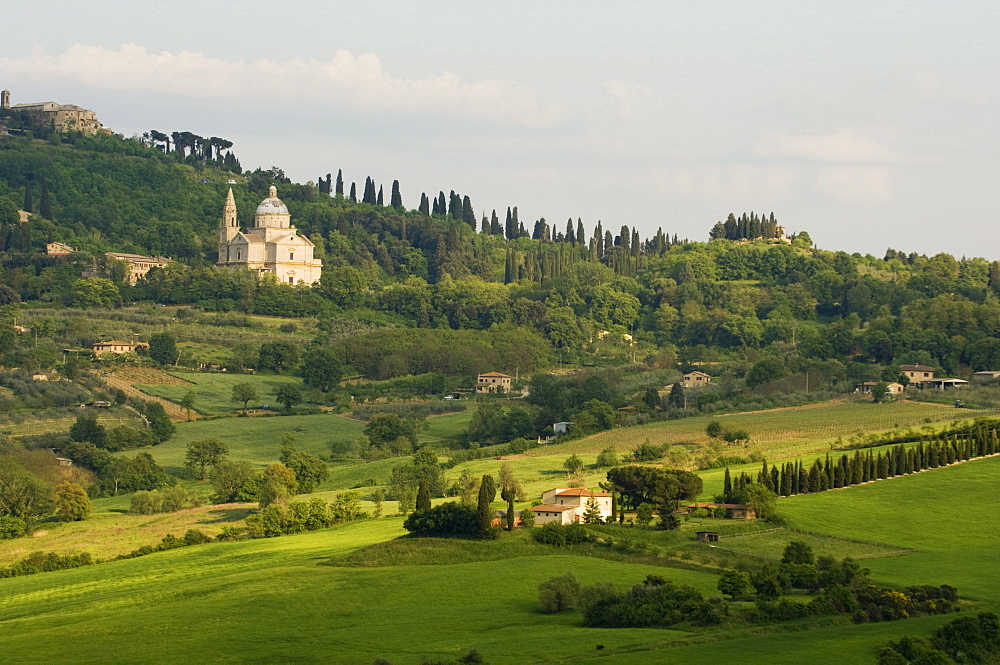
(548, 508)
(579, 491)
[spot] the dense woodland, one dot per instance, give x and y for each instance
(576, 293)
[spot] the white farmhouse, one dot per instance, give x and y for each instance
(566, 505)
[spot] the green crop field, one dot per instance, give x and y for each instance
(778, 433)
(215, 391)
(258, 439)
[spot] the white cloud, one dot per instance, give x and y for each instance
(855, 184)
(738, 181)
(355, 82)
(843, 146)
(622, 97)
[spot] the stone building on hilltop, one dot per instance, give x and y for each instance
(64, 117)
(272, 245)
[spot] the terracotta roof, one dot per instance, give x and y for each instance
(579, 491)
(698, 372)
(547, 508)
(916, 368)
(497, 375)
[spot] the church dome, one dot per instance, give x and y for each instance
(272, 204)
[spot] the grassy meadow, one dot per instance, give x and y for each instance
(351, 594)
(271, 601)
(215, 391)
(778, 433)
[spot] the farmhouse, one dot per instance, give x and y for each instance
(917, 373)
(138, 265)
(493, 382)
(58, 249)
(695, 379)
(566, 505)
(986, 375)
(117, 347)
(734, 511)
(892, 388)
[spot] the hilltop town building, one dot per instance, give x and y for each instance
(272, 245)
(64, 117)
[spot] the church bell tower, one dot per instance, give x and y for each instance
(228, 228)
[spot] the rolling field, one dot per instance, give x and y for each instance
(258, 440)
(215, 390)
(777, 433)
(268, 601)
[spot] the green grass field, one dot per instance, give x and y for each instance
(215, 391)
(258, 439)
(777, 433)
(269, 601)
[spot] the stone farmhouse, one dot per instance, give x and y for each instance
(272, 245)
(695, 379)
(493, 382)
(117, 347)
(566, 505)
(917, 373)
(892, 388)
(138, 265)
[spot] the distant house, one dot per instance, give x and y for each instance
(986, 375)
(695, 379)
(892, 387)
(917, 373)
(735, 511)
(138, 265)
(707, 536)
(561, 428)
(117, 347)
(58, 249)
(493, 382)
(566, 505)
(45, 376)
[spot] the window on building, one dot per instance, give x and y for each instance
(238, 255)
(291, 256)
(291, 280)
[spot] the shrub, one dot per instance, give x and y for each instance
(451, 518)
(559, 534)
(558, 594)
(11, 527)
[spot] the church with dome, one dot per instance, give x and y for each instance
(272, 245)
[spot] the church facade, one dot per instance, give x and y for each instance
(272, 245)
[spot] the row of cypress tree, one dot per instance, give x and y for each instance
(865, 465)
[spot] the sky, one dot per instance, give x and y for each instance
(868, 125)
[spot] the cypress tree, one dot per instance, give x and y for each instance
(425, 206)
(379, 200)
(775, 483)
(442, 204)
(581, 235)
(29, 206)
(340, 182)
(727, 486)
(484, 227)
(487, 493)
(495, 228)
(805, 487)
(786, 479)
(828, 470)
(467, 212)
(797, 478)
(354, 193)
(423, 496)
(397, 198)
(509, 229)
(45, 205)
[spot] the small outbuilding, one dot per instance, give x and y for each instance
(707, 536)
